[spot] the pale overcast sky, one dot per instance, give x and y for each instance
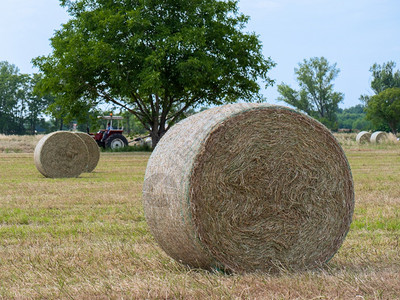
(352, 33)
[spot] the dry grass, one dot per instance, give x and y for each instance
(86, 238)
(18, 143)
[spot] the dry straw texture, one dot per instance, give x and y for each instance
(61, 154)
(94, 151)
(378, 137)
(249, 187)
(363, 137)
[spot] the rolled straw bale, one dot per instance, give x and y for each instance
(378, 137)
(61, 154)
(363, 137)
(249, 187)
(94, 151)
(145, 141)
(148, 141)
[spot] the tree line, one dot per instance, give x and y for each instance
(159, 60)
(317, 98)
(26, 110)
(21, 110)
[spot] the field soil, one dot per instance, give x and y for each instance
(87, 238)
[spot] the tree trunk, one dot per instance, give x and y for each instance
(156, 134)
(33, 125)
(393, 128)
(61, 124)
(128, 125)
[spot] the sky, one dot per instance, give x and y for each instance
(354, 34)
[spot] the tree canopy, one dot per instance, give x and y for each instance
(316, 96)
(154, 58)
(385, 107)
(383, 77)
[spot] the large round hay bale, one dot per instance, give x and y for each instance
(378, 137)
(363, 137)
(94, 151)
(249, 187)
(61, 154)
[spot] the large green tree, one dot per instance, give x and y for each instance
(316, 96)
(154, 58)
(383, 77)
(385, 108)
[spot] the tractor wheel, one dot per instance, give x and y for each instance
(116, 141)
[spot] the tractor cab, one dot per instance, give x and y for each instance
(112, 136)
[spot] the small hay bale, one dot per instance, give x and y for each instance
(378, 137)
(61, 154)
(248, 187)
(363, 137)
(148, 141)
(94, 151)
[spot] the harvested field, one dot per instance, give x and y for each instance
(87, 237)
(18, 143)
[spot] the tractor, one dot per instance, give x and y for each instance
(110, 137)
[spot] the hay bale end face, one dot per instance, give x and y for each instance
(363, 137)
(378, 137)
(249, 187)
(94, 151)
(61, 154)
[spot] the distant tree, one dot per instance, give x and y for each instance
(361, 124)
(36, 105)
(357, 109)
(13, 99)
(21, 110)
(155, 59)
(353, 118)
(383, 77)
(385, 107)
(316, 96)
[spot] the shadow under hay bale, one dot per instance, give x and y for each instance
(363, 137)
(378, 137)
(61, 154)
(249, 187)
(94, 151)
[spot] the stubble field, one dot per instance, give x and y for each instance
(86, 238)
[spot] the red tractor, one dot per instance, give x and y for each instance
(110, 137)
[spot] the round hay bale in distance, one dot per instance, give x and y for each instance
(249, 187)
(378, 137)
(61, 154)
(94, 151)
(363, 137)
